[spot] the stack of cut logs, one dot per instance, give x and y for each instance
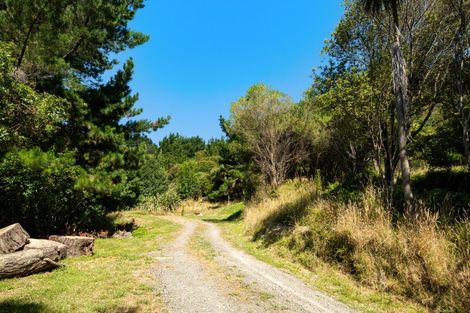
(21, 255)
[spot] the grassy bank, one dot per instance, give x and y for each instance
(117, 278)
(358, 253)
(322, 276)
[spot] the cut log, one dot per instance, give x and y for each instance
(76, 245)
(38, 256)
(12, 238)
(49, 247)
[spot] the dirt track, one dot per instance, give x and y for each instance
(189, 285)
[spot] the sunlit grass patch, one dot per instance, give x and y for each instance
(419, 259)
(117, 278)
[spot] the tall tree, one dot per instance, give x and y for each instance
(400, 87)
(272, 127)
(58, 51)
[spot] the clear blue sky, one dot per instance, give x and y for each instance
(203, 55)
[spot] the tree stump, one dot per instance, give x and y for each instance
(12, 238)
(38, 256)
(76, 245)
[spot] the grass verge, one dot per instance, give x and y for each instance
(419, 258)
(117, 278)
(323, 277)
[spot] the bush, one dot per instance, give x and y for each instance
(38, 190)
(169, 200)
(165, 202)
(153, 179)
(187, 181)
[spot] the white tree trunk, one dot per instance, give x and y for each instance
(400, 87)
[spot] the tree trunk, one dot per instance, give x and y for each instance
(400, 87)
(466, 141)
(12, 238)
(38, 256)
(27, 38)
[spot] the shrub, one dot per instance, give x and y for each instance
(153, 179)
(169, 200)
(188, 184)
(164, 202)
(38, 190)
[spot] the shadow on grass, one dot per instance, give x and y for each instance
(121, 309)
(20, 306)
(226, 214)
(23, 306)
(283, 220)
(235, 216)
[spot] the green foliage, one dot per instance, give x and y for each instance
(271, 128)
(194, 178)
(153, 177)
(187, 181)
(236, 177)
(166, 201)
(219, 169)
(53, 37)
(27, 118)
(178, 149)
(348, 118)
(440, 143)
(38, 190)
(70, 146)
(169, 200)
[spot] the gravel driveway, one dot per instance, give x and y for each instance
(189, 285)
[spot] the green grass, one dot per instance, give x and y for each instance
(226, 213)
(322, 276)
(200, 247)
(117, 278)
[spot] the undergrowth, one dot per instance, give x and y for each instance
(420, 259)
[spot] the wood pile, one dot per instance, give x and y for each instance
(21, 255)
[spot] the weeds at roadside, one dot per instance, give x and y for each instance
(419, 259)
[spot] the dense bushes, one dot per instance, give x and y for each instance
(38, 190)
(164, 202)
(217, 170)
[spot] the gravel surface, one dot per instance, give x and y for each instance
(187, 285)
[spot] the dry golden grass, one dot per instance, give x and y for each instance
(418, 258)
(291, 198)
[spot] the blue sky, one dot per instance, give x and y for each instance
(203, 55)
